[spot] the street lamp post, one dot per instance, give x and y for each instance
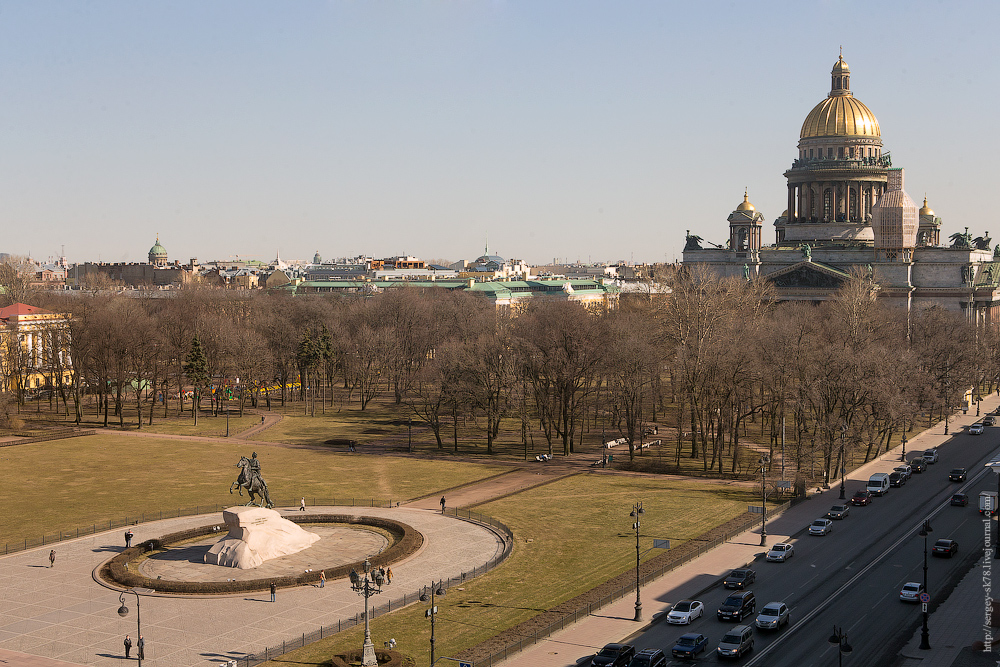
(636, 511)
(903, 455)
(369, 585)
(839, 637)
(432, 612)
(764, 460)
(925, 644)
(843, 464)
(123, 611)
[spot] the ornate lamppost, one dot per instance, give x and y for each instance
(123, 612)
(925, 643)
(368, 585)
(432, 612)
(636, 511)
(843, 463)
(764, 460)
(839, 637)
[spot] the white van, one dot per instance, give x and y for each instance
(878, 484)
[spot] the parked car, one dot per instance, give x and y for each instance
(957, 475)
(862, 497)
(931, 456)
(820, 527)
(989, 420)
(614, 655)
(896, 479)
(772, 616)
(737, 641)
(649, 657)
(976, 429)
(685, 611)
(740, 578)
(904, 470)
(737, 606)
(780, 552)
(689, 645)
(960, 500)
(918, 465)
(945, 548)
(911, 591)
(838, 512)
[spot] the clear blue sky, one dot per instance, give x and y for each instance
(574, 130)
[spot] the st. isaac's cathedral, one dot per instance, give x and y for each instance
(848, 209)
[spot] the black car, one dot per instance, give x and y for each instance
(739, 578)
(896, 479)
(649, 657)
(918, 464)
(945, 548)
(989, 420)
(737, 606)
(863, 497)
(957, 475)
(614, 655)
(960, 500)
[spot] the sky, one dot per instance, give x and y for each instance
(571, 131)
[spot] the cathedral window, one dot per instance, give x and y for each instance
(840, 152)
(829, 152)
(827, 204)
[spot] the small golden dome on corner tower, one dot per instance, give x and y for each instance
(746, 205)
(925, 209)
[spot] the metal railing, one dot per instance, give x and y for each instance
(53, 435)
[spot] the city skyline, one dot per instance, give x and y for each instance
(576, 131)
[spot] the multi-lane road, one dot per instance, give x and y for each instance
(851, 578)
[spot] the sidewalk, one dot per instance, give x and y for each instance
(954, 621)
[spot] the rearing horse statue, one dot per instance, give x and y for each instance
(254, 485)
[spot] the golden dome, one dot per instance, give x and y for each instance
(840, 67)
(925, 209)
(840, 116)
(746, 205)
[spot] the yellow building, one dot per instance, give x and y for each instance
(34, 353)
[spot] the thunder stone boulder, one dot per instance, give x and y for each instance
(257, 534)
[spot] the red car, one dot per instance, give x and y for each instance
(863, 497)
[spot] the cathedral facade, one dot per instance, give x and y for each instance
(848, 211)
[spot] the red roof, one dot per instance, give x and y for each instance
(22, 309)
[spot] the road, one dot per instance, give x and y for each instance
(851, 577)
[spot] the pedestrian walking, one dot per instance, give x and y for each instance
(388, 575)
(322, 579)
(302, 505)
(128, 646)
(442, 504)
(52, 558)
(141, 647)
(274, 589)
(128, 538)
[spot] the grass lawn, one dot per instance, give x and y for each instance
(571, 535)
(72, 483)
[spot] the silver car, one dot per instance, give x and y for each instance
(820, 527)
(772, 616)
(780, 552)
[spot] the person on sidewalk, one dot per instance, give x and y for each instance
(442, 504)
(322, 578)
(128, 538)
(274, 589)
(52, 558)
(388, 575)
(302, 505)
(141, 647)
(128, 646)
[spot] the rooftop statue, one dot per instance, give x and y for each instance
(692, 242)
(251, 480)
(806, 251)
(960, 240)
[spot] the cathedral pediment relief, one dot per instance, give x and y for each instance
(807, 274)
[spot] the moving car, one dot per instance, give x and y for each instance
(820, 527)
(689, 645)
(945, 548)
(772, 616)
(780, 552)
(911, 591)
(737, 606)
(862, 497)
(614, 655)
(878, 483)
(976, 429)
(957, 475)
(960, 499)
(918, 464)
(838, 512)
(737, 641)
(649, 657)
(931, 456)
(904, 470)
(740, 578)
(989, 420)
(685, 611)
(896, 479)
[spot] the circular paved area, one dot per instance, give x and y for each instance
(338, 545)
(62, 613)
